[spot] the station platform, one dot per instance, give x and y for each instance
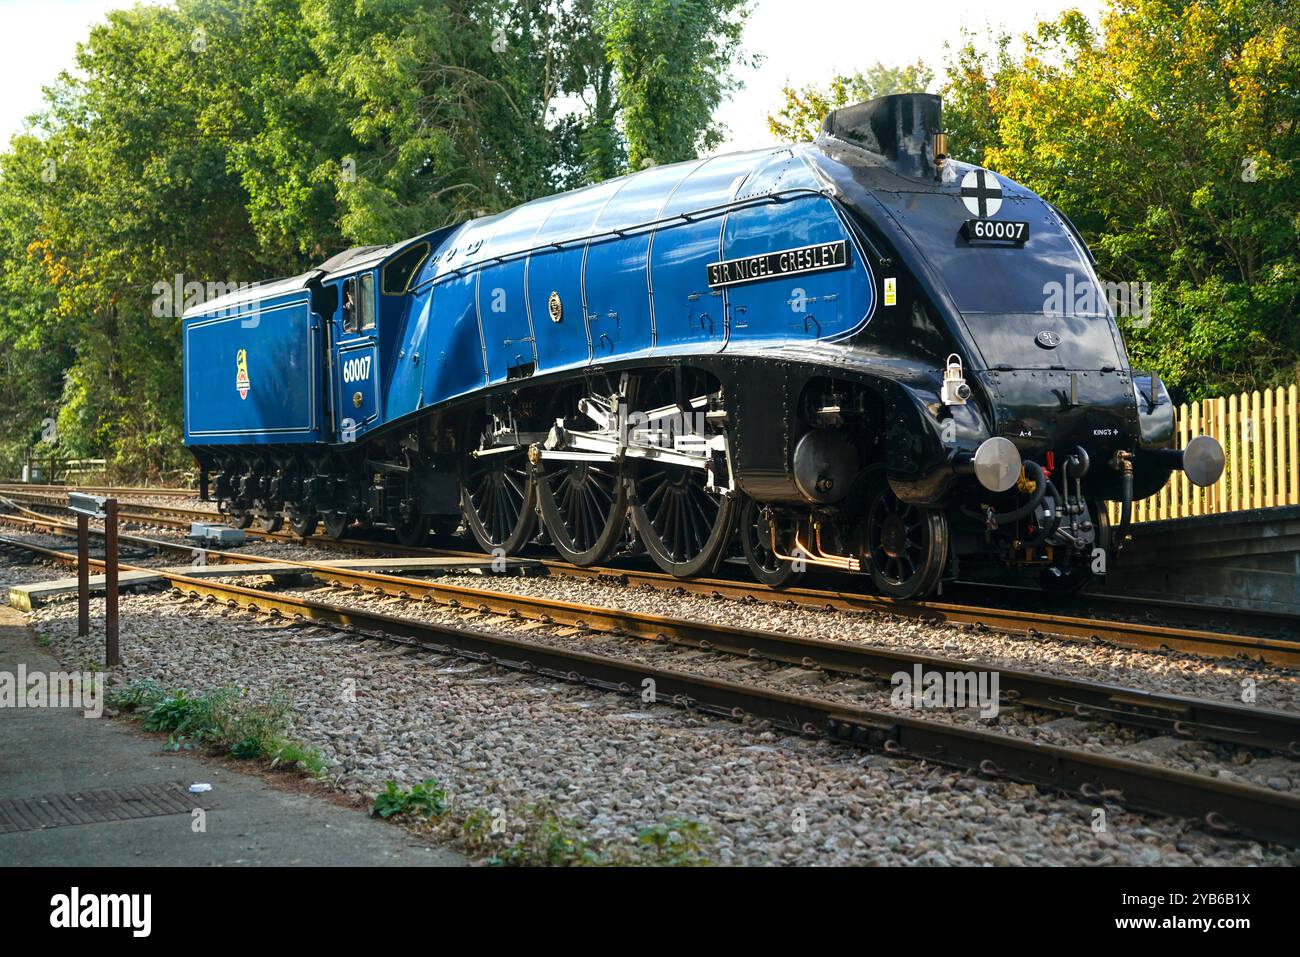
(98, 792)
(1247, 560)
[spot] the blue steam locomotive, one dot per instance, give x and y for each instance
(839, 354)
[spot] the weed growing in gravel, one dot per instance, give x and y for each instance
(299, 756)
(188, 720)
(138, 694)
(426, 800)
(676, 843)
(548, 840)
(222, 718)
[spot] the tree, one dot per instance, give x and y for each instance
(802, 111)
(671, 59)
(235, 140)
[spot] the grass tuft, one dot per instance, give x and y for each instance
(224, 718)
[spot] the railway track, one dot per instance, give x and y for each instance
(99, 490)
(1018, 621)
(1191, 717)
(1223, 806)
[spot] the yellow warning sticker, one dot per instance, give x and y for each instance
(891, 291)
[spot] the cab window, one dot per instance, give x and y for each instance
(350, 305)
(366, 300)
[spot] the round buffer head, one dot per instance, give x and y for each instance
(997, 464)
(1203, 461)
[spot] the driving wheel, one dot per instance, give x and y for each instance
(584, 508)
(498, 501)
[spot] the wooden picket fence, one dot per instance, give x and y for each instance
(1260, 435)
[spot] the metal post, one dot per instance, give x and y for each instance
(111, 658)
(83, 576)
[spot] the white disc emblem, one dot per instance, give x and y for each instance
(981, 192)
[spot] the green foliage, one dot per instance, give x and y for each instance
(676, 843)
(539, 837)
(246, 748)
(140, 693)
(547, 841)
(290, 755)
(802, 110)
(234, 140)
(425, 799)
(223, 718)
(671, 58)
(185, 715)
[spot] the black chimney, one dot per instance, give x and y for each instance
(901, 128)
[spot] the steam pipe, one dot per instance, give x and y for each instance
(1124, 462)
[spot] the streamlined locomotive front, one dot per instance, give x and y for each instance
(1038, 418)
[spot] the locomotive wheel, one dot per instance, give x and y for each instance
(303, 525)
(498, 501)
(413, 532)
(683, 526)
(756, 541)
(240, 517)
(1101, 519)
(584, 509)
(907, 546)
(336, 524)
(269, 522)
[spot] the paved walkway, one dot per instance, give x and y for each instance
(53, 751)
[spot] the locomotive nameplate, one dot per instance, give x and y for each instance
(997, 232)
(786, 262)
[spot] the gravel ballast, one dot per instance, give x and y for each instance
(505, 741)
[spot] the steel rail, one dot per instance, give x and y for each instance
(1226, 807)
(7, 487)
(1182, 716)
(181, 518)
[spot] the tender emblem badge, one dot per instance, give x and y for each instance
(242, 382)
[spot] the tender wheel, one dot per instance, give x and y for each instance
(335, 524)
(240, 517)
(303, 525)
(683, 526)
(584, 508)
(756, 541)
(499, 502)
(907, 546)
(413, 532)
